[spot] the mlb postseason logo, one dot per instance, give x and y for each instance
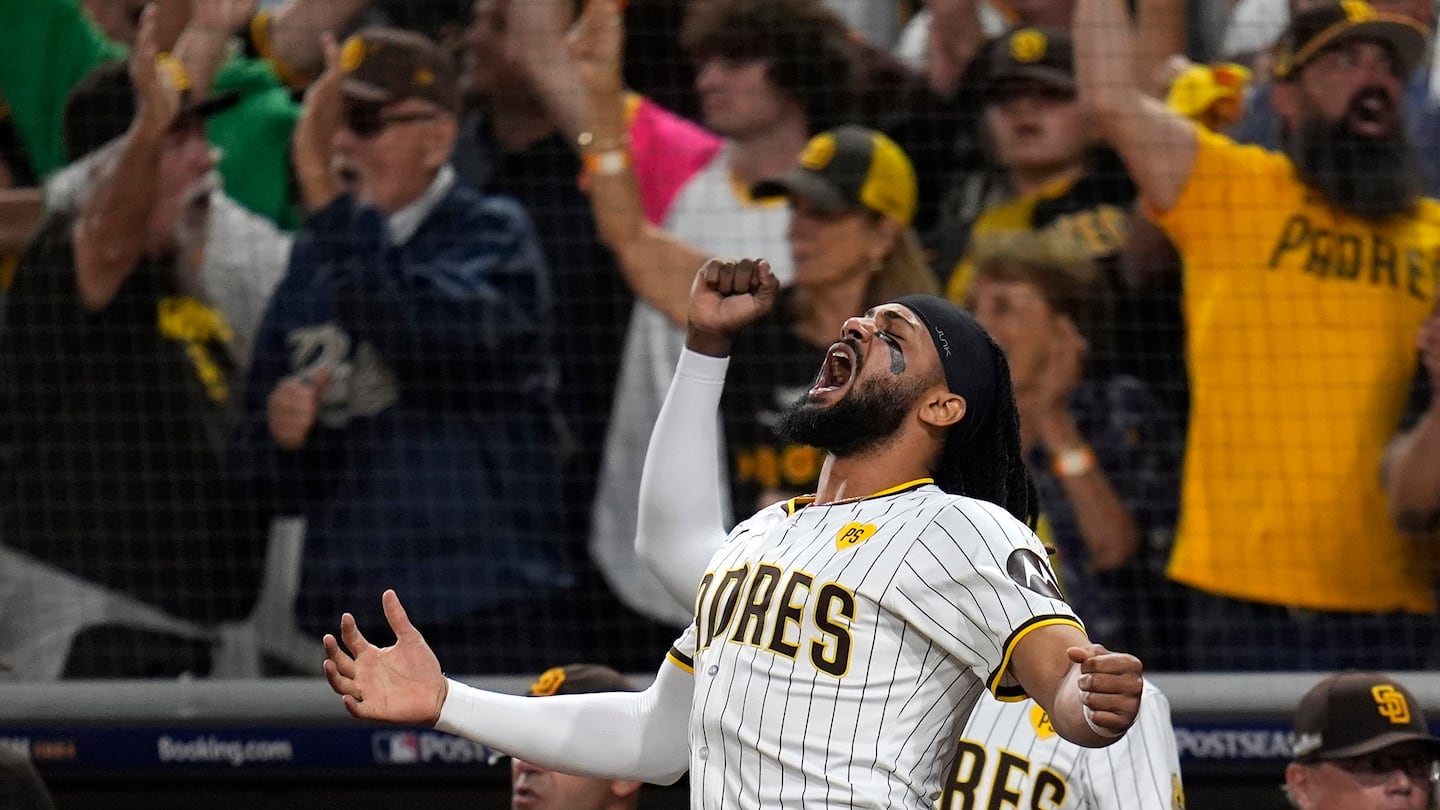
(396, 747)
(428, 748)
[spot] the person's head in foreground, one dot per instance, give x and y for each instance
(1339, 78)
(1361, 743)
(401, 100)
(922, 371)
(535, 788)
(852, 200)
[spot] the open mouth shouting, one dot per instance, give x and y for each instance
(1372, 113)
(837, 371)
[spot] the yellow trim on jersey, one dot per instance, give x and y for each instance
(800, 502)
(681, 660)
(1013, 694)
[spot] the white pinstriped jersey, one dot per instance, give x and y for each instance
(837, 649)
(1010, 756)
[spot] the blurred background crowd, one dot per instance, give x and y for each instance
(304, 300)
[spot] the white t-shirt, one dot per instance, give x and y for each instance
(711, 213)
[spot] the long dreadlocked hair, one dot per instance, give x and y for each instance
(989, 465)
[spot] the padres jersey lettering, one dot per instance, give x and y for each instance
(851, 639)
(1011, 757)
(1376, 260)
(981, 780)
(1301, 324)
(761, 621)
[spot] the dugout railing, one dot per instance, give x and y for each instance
(235, 743)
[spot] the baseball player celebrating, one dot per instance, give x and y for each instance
(1009, 752)
(840, 639)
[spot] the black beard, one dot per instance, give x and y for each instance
(865, 420)
(1372, 178)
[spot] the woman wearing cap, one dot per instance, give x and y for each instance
(852, 197)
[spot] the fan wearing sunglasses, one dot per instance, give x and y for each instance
(400, 394)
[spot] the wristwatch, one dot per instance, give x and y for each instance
(1073, 461)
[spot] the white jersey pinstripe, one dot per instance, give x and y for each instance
(837, 649)
(1010, 756)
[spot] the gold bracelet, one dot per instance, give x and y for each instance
(588, 141)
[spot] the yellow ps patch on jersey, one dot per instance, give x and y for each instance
(1040, 719)
(853, 535)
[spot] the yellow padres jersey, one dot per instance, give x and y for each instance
(1010, 756)
(837, 649)
(1301, 324)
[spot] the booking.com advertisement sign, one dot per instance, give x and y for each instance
(1228, 746)
(103, 748)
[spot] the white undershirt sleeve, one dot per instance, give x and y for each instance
(681, 518)
(611, 735)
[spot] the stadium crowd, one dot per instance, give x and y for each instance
(310, 299)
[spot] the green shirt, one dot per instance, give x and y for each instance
(53, 44)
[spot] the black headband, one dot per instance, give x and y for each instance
(965, 354)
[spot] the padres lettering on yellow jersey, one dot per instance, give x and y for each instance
(1301, 324)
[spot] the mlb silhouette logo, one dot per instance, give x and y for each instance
(396, 748)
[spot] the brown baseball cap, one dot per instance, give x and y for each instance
(1349, 714)
(385, 65)
(579, 679)
(1045, 55)
(1316, 29)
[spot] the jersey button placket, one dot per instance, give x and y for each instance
(714, 669)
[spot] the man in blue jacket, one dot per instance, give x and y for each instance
(400, 397)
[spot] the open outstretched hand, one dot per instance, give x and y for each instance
(320, 119)
(158, 80)
(401, 683)
(596, 44)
